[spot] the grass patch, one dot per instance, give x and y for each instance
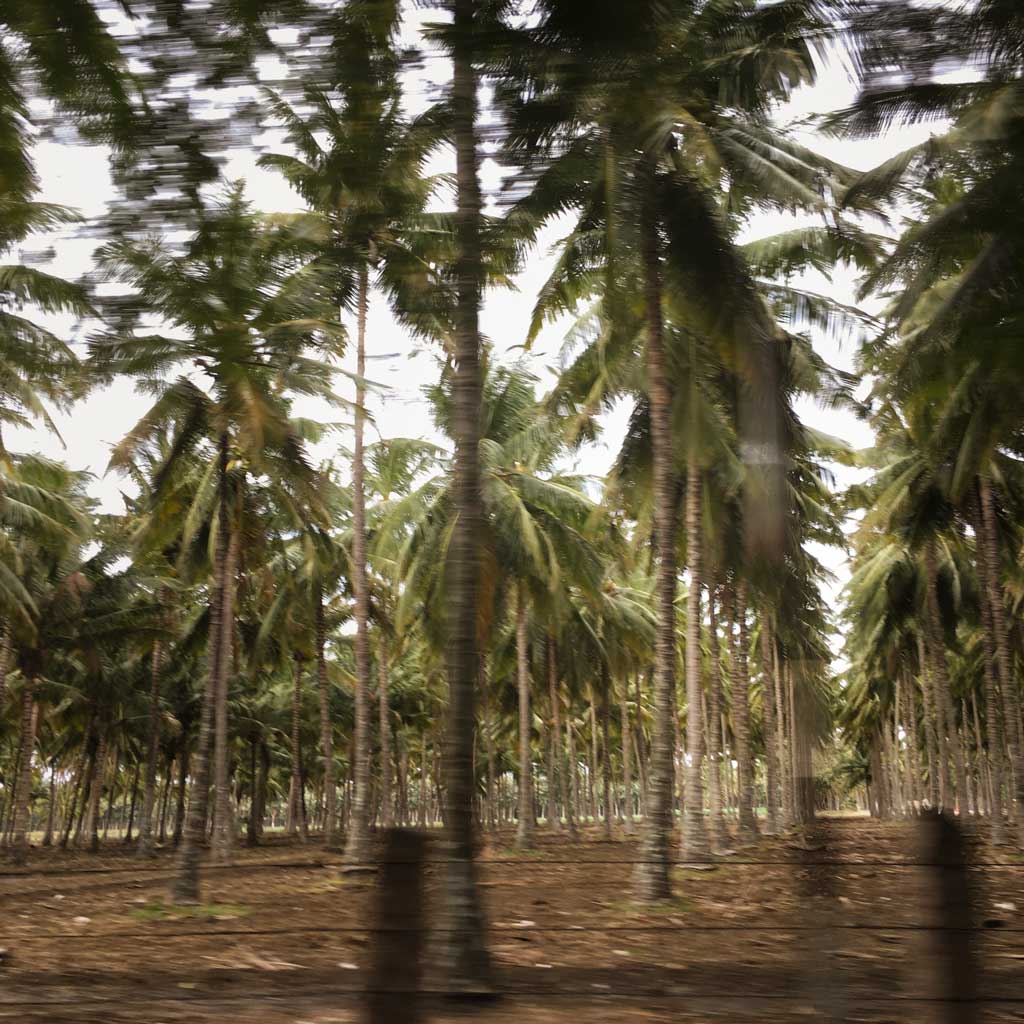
(158, 911)
(663, 908)
(692, 875)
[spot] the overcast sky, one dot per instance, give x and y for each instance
(79, 177)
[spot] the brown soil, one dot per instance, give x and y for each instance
(838, 925)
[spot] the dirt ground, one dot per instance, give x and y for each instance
(838, 924)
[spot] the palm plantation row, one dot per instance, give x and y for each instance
(420, 633)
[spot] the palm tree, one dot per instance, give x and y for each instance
(49, 544)
(256, 320)
(366, 180)
(535, 530)
(652, 218)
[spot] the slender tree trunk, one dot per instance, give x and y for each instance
(485, 691)
(784, 741)
(627, 758)
(357, 847)
(716, 825)
(524, 827)
(554, 736)
(145, 848)
(641, 746)
(1008, 684)
(180, 805)
(983, 787)
(423, 820)
(943, 690)
(131, 811)
(385, 733)
(571, 809)
(936, 764)
(741, 715)
(83, 810)
(326, 730)
(567, 767)
(185, 885)
(606, 759)
(297, 814)
(165, 800)
(80, 774)
(51, 806)
(252, 832)
(224, 834)
(652, 879)
(913, 754)
(991, 595)
(467, 961)
(772, 751)
(695, 836)
(23, 789)
(96, 792)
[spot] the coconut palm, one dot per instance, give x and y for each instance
(365, 179)
(536, 523)
(627, 83)
(255, 319)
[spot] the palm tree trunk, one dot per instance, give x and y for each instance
(716, 824)
(768, 725)
(695, 836)
(1008, 685)
(652, 880)
(145, 848)
(224, 835)
(466, 960)
(485, 689)
(993, 722)
(51, 807)
(423, 782)
(784, 741)
(179, 805)
(571, 778)
(165, 800)
(80, 774)
(524, 828)
(606, 760)
(134, 795)
(297, 813)
(96, 793)
(640, 745)
(385, 734)
(23, 792)
(983, 783)
(627, 758)
(803, 777)
(913, 754)
(357, 847)
(940, 674)
(326, 730)
(936, 764)
(741, 714)
(185, 885)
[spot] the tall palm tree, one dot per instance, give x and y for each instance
(49, 535)
(366, 180)
(255, 319)
(644, 182)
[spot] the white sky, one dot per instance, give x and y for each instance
(79, 177)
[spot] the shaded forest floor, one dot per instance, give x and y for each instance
(826, 925)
